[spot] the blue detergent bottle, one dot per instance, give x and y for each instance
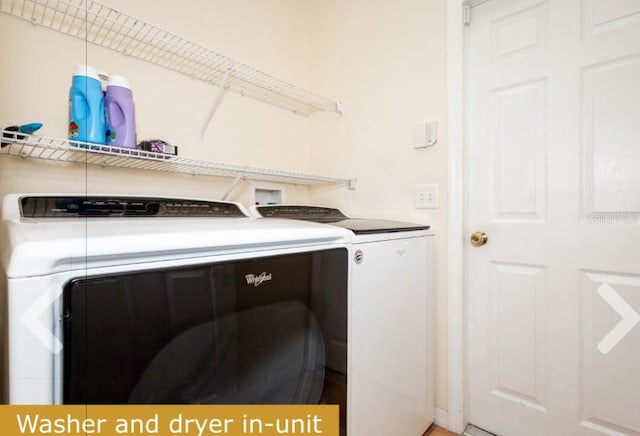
(86, 106)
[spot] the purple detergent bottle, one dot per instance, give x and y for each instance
(120, 113)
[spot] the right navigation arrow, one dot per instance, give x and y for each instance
(629, 318)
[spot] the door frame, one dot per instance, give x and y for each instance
(457, 165)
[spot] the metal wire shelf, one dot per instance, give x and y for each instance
(107, 27)
(62, 150)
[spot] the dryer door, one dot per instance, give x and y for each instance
(264, 330)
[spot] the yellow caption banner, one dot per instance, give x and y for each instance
(170, 420)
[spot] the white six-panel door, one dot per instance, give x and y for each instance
(554, 181)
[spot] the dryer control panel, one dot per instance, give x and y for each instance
(110, 206)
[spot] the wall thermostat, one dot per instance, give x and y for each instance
(425, 135)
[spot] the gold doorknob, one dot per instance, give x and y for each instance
(478, 239)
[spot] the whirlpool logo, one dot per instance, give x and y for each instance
(257, 280)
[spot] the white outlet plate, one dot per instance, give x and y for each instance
(427, 196)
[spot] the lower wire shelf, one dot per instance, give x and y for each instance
(63, 150)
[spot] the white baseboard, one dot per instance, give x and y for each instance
(441, 418)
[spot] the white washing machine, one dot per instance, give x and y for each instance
(112, 299)
(391, 341)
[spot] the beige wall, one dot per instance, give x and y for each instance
(385, 59)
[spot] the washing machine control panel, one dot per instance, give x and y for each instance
(309, 213)
(110, 206)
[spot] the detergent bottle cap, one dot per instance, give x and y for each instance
(121, 81)
(86, 70)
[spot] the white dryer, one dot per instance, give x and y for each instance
(391, 341)
(113, 299)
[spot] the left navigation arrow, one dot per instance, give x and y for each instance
(31, 318)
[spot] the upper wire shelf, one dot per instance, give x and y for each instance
(62, 150)
(107, 27)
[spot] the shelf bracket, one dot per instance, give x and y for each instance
(216, 100)
(232, 187)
